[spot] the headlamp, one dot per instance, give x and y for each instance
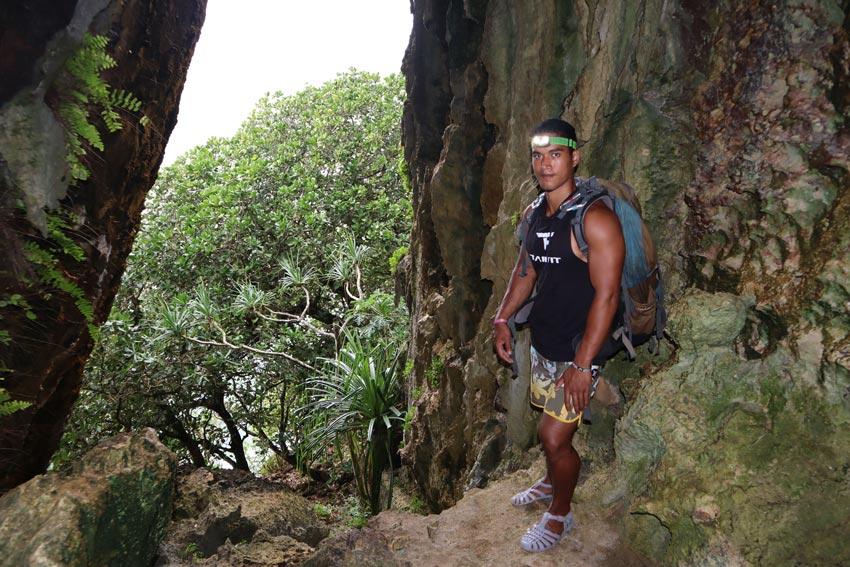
(541, 141)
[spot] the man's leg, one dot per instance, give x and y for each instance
(546, 480)
(563, 464)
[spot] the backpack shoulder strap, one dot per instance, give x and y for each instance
(588, 192)
(528, 217)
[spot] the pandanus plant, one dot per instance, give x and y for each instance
(356, 401)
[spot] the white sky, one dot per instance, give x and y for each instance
(250, 47)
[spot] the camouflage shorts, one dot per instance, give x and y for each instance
(544, 395)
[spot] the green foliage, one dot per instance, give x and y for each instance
(303, 178)
(192, 553)
(321, 510)
(350, 512)
(358, 394)
(8, 406)
(48, 269)
(408, 418)
(377, 315)
(45, 258)
(357, 515)
(79, 89)
(418, 506)
(256, 255)
(404, 172)
(435, 371)
(399, 253)
(57, 225)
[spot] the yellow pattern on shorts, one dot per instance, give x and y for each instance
(544, 394)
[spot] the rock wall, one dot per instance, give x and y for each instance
(42, 357)
(730, 120)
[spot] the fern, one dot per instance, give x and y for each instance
(125, 99)
(56, 225)
(52, 277)
(8, 406)
(81, 88)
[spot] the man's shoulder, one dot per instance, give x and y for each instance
(601, 220)
(599, 209)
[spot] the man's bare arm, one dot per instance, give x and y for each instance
(519, 289)
(605, 256)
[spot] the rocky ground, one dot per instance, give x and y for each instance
(484, 529)
(227, 519)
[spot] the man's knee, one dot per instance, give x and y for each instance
(556, 436)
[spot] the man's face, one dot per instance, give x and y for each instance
(553, 165)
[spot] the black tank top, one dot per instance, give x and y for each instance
(564, 292)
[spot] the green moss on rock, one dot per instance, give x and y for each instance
(754, 460)
(647, 535)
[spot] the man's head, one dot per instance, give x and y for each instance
(554, 154)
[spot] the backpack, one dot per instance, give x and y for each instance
(642, 315)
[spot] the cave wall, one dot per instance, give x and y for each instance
(152, 43)
(730, 120)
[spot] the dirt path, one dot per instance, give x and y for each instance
(483, 529)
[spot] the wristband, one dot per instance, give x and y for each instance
(581, 368)
(497, 321)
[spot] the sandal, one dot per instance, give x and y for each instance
(538, 538)
(532, 494)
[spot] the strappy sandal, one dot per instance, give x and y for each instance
(538, 538)
(532, 494)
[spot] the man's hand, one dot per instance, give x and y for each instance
(576, 385)
(502, 342)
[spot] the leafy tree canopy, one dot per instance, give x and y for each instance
(256, 254)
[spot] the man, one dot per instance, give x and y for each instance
(576, 301)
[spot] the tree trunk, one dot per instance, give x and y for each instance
(237, 447)
(177, 430)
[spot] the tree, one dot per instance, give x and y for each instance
(255, 255)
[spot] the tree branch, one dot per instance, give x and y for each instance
(225, 343)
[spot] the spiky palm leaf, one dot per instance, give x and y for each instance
(358, 394)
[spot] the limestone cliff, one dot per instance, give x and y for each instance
(42, 357)
(730, 120)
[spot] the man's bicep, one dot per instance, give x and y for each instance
(606, 247)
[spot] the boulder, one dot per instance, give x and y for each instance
(111, 510)
(233, 518)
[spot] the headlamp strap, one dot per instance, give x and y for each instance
(542, 141)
